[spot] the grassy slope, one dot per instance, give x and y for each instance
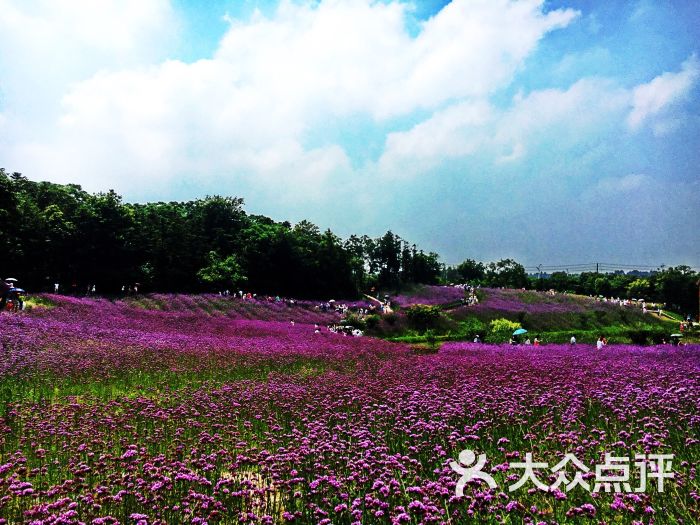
(550, 318)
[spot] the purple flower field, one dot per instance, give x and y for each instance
(114, 413)
(430, 295)
(506, 300)
(510, 300)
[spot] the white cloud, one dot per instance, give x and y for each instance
(46, 45)
(347, 56)
(558, 119)
(450, 133)
(93, 95)
(125, 118)
(656, 98)
(544, 117)
(628, 183)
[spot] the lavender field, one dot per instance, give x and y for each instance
(186, 409)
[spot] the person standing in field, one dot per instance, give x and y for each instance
(600, 344)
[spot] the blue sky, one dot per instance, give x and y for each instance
(552, 132)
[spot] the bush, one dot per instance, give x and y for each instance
(642, 336)
(354, 321)
(431, 339)
(390, 319)
(638, 337)
(372, 321)
(658, 336)
(35, 300)
(471, 327)
(501, 330)
(422, 317)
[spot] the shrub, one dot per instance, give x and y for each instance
(501, 330)
(422, 317)
(430, 338)
(658, 336)
(471, 327)
(354, 321)
(35, 300)
(372, 321)
(638, 337)
(390, 319)
(642, 336)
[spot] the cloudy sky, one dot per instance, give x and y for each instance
(554, 132)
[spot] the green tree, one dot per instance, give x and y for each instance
(602, 285)
(423, 317)
(561, 281)
(52, 232)
(677, 288)
(639, 289)
(221, 272)
(470, 270)
(501, 330)
(507, 273)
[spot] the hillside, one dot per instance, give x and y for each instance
(550, 316)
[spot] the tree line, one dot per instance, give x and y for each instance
(677, 287)
(53, 233)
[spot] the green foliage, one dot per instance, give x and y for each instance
(471, 327)
(423, 317)
(390, 318)
(471, 271)
(372, 321)
(501, 330)
(638, 337)
(601, 286)
(38, 301)
(59, 233)
(676, 286)
(679, 288)
(506, 273)
(354, 321)
(431, 338)
(560, 281)
(222, 273)
(642, 336)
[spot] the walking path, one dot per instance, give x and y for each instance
(387, 308)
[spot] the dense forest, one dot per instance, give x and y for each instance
(52, 233)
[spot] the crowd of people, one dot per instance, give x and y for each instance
(636, 303)
(346, 330)
(470, 298)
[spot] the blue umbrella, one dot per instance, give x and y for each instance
(520, 331)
